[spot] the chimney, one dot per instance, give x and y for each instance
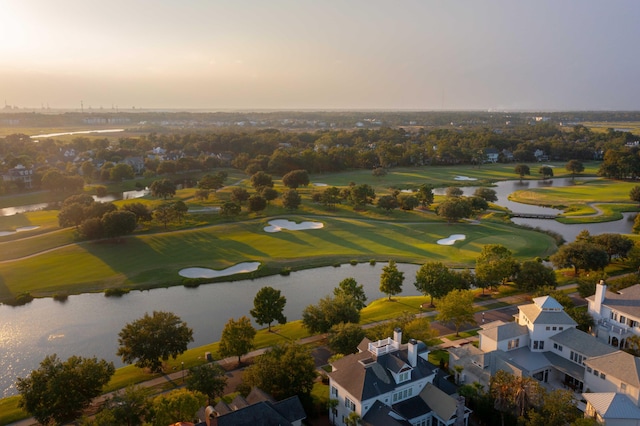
(598, 299)
(460, 411)
(412, 352)
(397, 335)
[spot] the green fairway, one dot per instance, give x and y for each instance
(155, 260)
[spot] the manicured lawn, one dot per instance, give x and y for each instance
(381, 309)
(9, 411)
(154, 260)
(584, 191)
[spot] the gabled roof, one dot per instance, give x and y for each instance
(262, 414)
(612, 405)
(503, 331)
(626, 301)
(441, 403)
(547, 303)
(618, 364)
(381, 414)
(538, 316)
(259, 409)
(582, 342)
(366, 376)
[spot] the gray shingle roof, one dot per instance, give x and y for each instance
(618, 364)
(539, 316)
(582, 342)
(626, 300)
(375, 379)
(505, 331)
(381, 414)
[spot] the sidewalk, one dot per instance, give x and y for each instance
(177, 376)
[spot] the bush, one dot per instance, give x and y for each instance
(353, 262)
(60, 297)
(115, 292)
(21, 299)
(285, 271)
(372, 262)
(191, 282)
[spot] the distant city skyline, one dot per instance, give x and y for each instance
(546, 55)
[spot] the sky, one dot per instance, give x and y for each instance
(542, 55)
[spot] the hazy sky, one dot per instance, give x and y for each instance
(348, 54)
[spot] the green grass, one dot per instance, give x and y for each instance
(381, 309)
(9, 410)
(154, 260)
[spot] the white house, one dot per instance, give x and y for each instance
(389, 383)
(544, 343)
(617, 315)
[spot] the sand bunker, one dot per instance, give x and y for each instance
(451, 239)
(22, 229)
(464, 178)
(407, 191)
(205, 210)
(280, 224)
(240, 268)
(319, 184)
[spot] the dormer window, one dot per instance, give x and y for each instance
(404, 376)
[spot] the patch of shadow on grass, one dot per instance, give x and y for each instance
(289, 237)
(5, 293)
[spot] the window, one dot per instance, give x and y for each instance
(512, 344)
(349, 404)
(538, 344)
(555, 346)
(555, 328)
(548, 328)
(334, 391)
(603, 376)
(623, 387)
(560, 328)
(623, 319)
(588, 369)
(596, 372)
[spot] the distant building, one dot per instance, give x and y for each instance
(20, 175)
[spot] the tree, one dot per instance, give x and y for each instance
(58, 391)
(487, 193)
(614, 244)
(176, 406)
(91, 229)
(239, 195)
(163, 188)
(330, 196)
(456, 307)
(164, 214)
(353, 419)
(387, 202)
(361, 195)
(291, 199)
(269, 194)
(120, 172)
(349, 287)
(425, 195)
(533, 274)
(546, 172)
(257, 203)
(344, 338)
(129, 407)
(408, 202)
(202, 194)
(283, 371)
(514, 395)
(558, 409)
(434, 279)
(478, 204)
(118, 223)
(391, 279)
(212, 182)
(580, 255)
(142, 212)
(328, 312)
(72, 215)
(237, 338)
(634, 194)
(180, 209)
(208, 379)
(574, 166)
(454, 191)
(152, 339)
(495, 264)
(522, 170)
(229, 208)
(52, 180)
(268, 306)
(454, 209)
(296, 178)
(260, 180)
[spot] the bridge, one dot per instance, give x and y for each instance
(534, 215)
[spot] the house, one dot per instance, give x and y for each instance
(540, 155)
(257, 409)
(544, 343)
(20, 175)
(491, 155)
(616, 314)
(136, 163)
(390, 383)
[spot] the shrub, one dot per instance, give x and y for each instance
(60, 297)
(372, 262)
(115, 292)
(285, 271)
(353, 262)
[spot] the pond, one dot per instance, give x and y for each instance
(88, 324)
